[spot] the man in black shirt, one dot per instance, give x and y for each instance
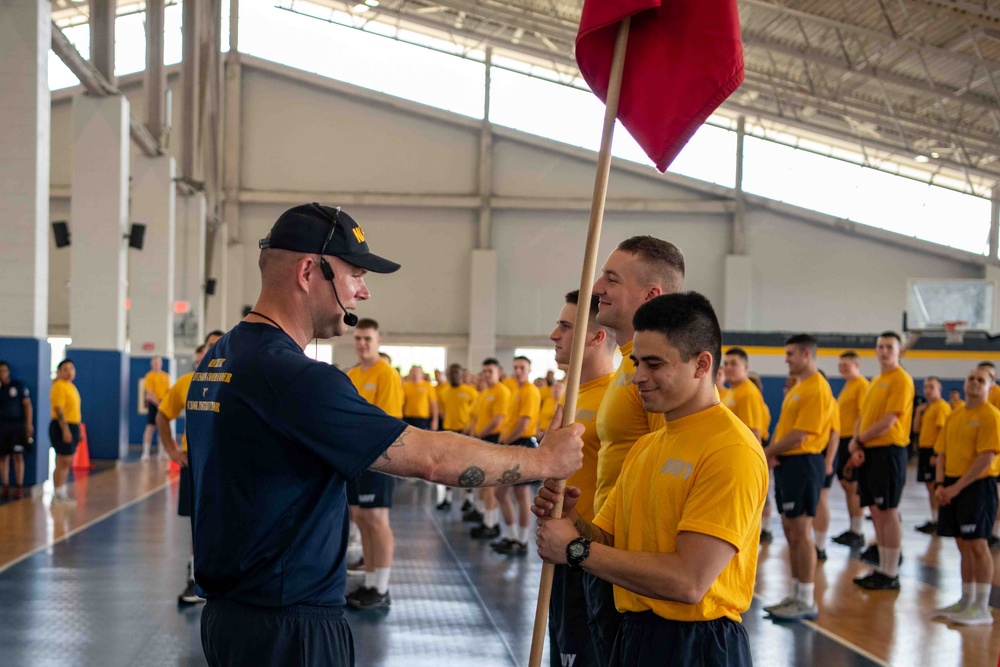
(16, 431)
(274, 437)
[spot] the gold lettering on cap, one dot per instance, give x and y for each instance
(359, 235)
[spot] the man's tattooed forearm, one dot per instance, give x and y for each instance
(511, 476)
(472, 477)
(589, 531)
(398, 442)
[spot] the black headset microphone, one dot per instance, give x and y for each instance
(350, 319)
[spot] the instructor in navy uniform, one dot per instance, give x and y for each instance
(274, 437)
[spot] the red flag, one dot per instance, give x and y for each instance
(684, 59)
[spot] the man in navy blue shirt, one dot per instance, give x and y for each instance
(17, 432)
(273, 438)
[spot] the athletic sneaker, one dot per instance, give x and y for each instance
(64, 501)
(444, 505)
(357, 567)
(971, 616)
(190, 595)
(947, 612)
(784, 603)
(796, 611)
(370, 598)
(356, 595)
(870, 555)
(929, 528)
(512, 548)
(481, 532)
(467, 506)
(766, 536)
(500, 544)
(850, 539)
(877, 581)
(472, 516)
(820, 554)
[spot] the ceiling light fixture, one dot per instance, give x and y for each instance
(922, 158)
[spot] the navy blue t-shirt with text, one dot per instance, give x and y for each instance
(12, 397)
(273, 438)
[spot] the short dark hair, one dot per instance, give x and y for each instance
(199, 349)
(891, 334)
(524, 359)
(935, 378)
(63, 363)
(366, 323)
(850, 354)
(385, 356)
(665, 260)
(804, 341)
(738, 352)
(490, 361)
(688, 321)
(4, 363)
(595, 301)
(214, 332)
(986, 364)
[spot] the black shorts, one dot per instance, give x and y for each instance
(882, 476)
(372, 490)
(151, 411)
(495, 438)
(827, 479)
(12, 438)
(646, 639)
(237, 634)
(797, 483)
(530, 443)
(971, 513)
(839, 463)
(56, 438)
(569, 637)
(185, 493)
(926, 471)
(603, 618)
(419, 422)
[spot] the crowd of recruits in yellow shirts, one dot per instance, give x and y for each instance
(958, 447)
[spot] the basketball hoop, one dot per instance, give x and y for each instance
(954, 332)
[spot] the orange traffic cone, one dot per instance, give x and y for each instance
(173, 467)
(81, 460)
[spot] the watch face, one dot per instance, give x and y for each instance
(576, 550)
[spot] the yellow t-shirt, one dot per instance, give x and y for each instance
(493, 401)
(956, 404)
(524, 402)
(704, 473)
(890, 392)
(545, 393)
(65, 395)
(173, 403)
(994, 397)
(849, 401)
(458, 403)
(548, 411)
(932, 422)
(620, 422)
(747, 403)
(510, 383)
(588, 402)
(417, 398)
(809, 407)
(966, 434)
(380, 386)
(765, 434)
(157, 382)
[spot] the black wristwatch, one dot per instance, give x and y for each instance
(577, 552)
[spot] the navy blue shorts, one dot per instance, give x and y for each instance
(971, 513)
(797, 483)
(645, 639)
(151, 411)
(569, 637)
(55, 437)
(530, 443)
(185, 493)
(237, 634)
(882, 476)
(827, 479)
(926, 471)
(839, 463)
(372, 490)
(419, 422)
(603, 618)
(12, 438)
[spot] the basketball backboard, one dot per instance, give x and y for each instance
(932, 303)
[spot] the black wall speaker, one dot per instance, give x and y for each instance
(210, 286)
(60, 230)
(137, 235)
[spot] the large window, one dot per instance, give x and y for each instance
(543, 360)
(428, 357)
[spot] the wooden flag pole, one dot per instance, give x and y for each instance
(583, 310)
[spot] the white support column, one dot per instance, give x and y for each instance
(995, 223)
(482, 307)
(217, 304)
(190, 274)
(738, 299)
(98, 273)
(25, 38)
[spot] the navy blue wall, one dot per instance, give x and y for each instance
(102, 377)
(138, 367)
(29, 360)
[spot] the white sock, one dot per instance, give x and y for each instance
(525, 535)
(508, 532)
(805, 593)
(491, 517)
(888, 561)
(145, 448)
(381, 579)
(858, 525)
(820, 539)
(969, 590)
(468, 494)
(191, 568)
(480, 506)
(369, 579)
(448, 493)
(354, 535)
(61, 490)
(934, 515)
(442, 493)
(982, 599)
(795, 589)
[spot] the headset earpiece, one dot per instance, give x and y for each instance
(325, 267)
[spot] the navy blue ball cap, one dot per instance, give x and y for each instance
(307, 229)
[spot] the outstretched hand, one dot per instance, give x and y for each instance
(562, 447)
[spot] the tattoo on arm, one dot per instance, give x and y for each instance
(472, 477)
(511, 476)
(590, 531)
(398, 442)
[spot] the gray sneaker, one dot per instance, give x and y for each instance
(945, 612)
(972, 616)
(796, 611)
(784, 603)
